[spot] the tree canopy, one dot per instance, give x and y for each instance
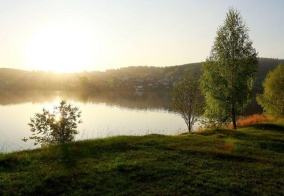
(272, 99)
(186, 99)
(229, 71)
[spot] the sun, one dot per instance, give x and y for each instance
(60, 50)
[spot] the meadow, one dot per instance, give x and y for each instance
(246, 161)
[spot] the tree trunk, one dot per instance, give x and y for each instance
(189, 126)
(234, 117)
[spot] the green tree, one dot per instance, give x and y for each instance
(272, 99)
(57, 126)
(186, 99)
(229, 71)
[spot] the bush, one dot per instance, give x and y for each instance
(57, 126)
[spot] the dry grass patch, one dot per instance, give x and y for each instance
(251, 120)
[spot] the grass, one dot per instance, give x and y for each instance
(247, 161)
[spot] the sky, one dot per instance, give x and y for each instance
(91, 35)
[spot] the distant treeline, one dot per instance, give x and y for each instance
(135, 78)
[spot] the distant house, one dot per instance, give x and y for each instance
(139, 88)
(125, 78)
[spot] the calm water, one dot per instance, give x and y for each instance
(103, 115)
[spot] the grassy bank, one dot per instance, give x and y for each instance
(248, 161)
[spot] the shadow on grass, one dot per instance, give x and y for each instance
(209, 132)
(270, 127)
(67, 157)
(221, 156)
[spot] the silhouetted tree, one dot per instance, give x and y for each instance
(57, 126)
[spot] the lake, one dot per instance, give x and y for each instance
(103, 114)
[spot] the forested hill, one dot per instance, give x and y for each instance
(135, 78)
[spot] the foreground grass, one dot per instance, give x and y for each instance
(248, 161)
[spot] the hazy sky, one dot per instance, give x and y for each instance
(75, 35)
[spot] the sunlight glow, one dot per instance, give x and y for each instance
(49, 106)
(60, 50)
(57, 117)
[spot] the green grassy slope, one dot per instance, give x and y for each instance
(247, 161)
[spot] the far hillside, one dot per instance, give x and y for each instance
(135, 78)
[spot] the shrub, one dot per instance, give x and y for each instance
(57, 126)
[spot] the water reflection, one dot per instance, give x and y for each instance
(130, 100)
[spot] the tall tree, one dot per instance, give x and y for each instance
(186, 99)
(229, 71)
(272, 99)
